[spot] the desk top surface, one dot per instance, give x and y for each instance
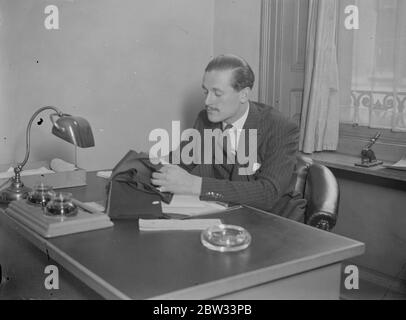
(123, 262)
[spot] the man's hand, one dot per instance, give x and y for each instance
(172, 178)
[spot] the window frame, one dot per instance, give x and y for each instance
(388, 136)
(351, 136)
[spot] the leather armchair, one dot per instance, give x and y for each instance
(319, 187)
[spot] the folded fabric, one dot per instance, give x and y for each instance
(131, 193)
(59, 165)
(163, 224)
(135, 169)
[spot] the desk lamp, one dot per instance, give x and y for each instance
(74, 130)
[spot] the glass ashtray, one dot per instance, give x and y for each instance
(225, 238)
(61, 205)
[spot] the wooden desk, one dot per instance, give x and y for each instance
(286, 259)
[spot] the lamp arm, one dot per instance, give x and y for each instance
(27, 135)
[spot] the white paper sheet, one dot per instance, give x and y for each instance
(191, 206)
(400, 165)
(163, 224)
(104, 174)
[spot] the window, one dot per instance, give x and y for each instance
(373, 67)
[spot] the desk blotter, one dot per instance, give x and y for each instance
(48, 227)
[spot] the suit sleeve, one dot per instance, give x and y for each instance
(270, 182)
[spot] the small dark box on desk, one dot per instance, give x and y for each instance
(125, 202)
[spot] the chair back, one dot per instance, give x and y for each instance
(318, 185)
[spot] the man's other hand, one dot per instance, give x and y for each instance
(172, 178)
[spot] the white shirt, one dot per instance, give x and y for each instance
(235, 131)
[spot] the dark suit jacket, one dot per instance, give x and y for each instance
(271, 187)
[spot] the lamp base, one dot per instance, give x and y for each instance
(16, 191)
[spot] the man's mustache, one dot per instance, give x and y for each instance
(211, 109)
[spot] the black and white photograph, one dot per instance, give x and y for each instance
(210, 153)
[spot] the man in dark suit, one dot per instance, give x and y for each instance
(268, 182)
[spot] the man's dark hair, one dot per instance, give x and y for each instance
(243, 76)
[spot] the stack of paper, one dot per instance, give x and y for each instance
(191, 206)
(163, 224)
(400, 165)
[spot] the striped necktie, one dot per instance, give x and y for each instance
(220, 164)
(227, 136)
(228, 155)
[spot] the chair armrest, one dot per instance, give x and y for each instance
(322, 194)
(322, 220)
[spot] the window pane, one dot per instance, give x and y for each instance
(372, 66)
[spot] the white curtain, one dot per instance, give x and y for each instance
(319, 123)
(373, 93)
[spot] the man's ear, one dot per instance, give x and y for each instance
(245, 95)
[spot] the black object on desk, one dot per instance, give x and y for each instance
(131, 193)
(368, 158)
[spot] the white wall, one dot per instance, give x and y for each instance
(127, 66)
(237, 31)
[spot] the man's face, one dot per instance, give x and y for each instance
(223, 103)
